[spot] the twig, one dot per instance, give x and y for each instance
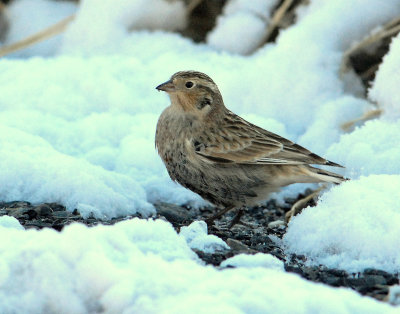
(368, 73)
(300, 204)
(392, 23)
(388, 30)
(38, 37)
(193, 4)
(365, 117)
(277, 17)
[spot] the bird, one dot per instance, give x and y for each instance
(225, 159)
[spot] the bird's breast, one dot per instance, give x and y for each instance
(172, 136)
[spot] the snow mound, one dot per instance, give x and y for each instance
(385, 86)
(394, 295)
(10, 222)
(371, 149)
(142, 266)
(242, 26)
(256, 260)
(353, 227)
(197, 238)
(101, 27)
(47, 175)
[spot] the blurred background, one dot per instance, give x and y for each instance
(235, 26)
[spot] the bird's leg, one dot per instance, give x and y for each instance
(211, 219)
(300, 204)
(237, 217)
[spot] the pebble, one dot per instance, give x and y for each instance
(173, 213)
(276, 223)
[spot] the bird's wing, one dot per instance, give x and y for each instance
(237, 141)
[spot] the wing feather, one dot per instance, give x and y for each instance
(236, 140)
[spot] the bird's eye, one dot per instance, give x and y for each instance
(189, 84)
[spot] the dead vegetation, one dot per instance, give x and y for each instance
(38, 37)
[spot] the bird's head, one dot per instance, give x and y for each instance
(193, 92)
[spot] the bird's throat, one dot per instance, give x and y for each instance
(186, 102)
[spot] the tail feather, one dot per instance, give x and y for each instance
(326, 176)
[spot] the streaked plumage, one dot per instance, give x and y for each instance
(222, 157)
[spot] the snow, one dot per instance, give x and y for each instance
(96, 27)
(46, 175)
(77, 123)
(256, 260)
(10, 222)
(140, 266)
(384, 90)
(394, 295)
(249, 28)
(354, 226)
(374, 146)
(197, 238)
(242, 26)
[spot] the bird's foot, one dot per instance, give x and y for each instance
(235, 221)
(210, 220)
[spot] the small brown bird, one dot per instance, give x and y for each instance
(222, 157)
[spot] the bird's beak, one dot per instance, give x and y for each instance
(168, 86)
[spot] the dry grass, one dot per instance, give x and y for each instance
(389, 30)
(376, 45)
(38, 37)
(277, 18)
(372, 114)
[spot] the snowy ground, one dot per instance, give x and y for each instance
(77, 124)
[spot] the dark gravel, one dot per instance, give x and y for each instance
(260, 232)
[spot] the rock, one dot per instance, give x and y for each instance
(294, 269)
(331, 280)
(19, 212)
(173, 213)
(336, 272)
(238, 247)
(276, 223)
(16, 204)
(390, 278)
(57, 207)
(354, 282)
(38, 224)
(312, 273)
(43, 210)
(373, 280)
(61, 214)
(214, 259)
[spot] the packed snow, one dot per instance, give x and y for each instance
(77, 122)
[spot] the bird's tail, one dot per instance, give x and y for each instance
(326, 176)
